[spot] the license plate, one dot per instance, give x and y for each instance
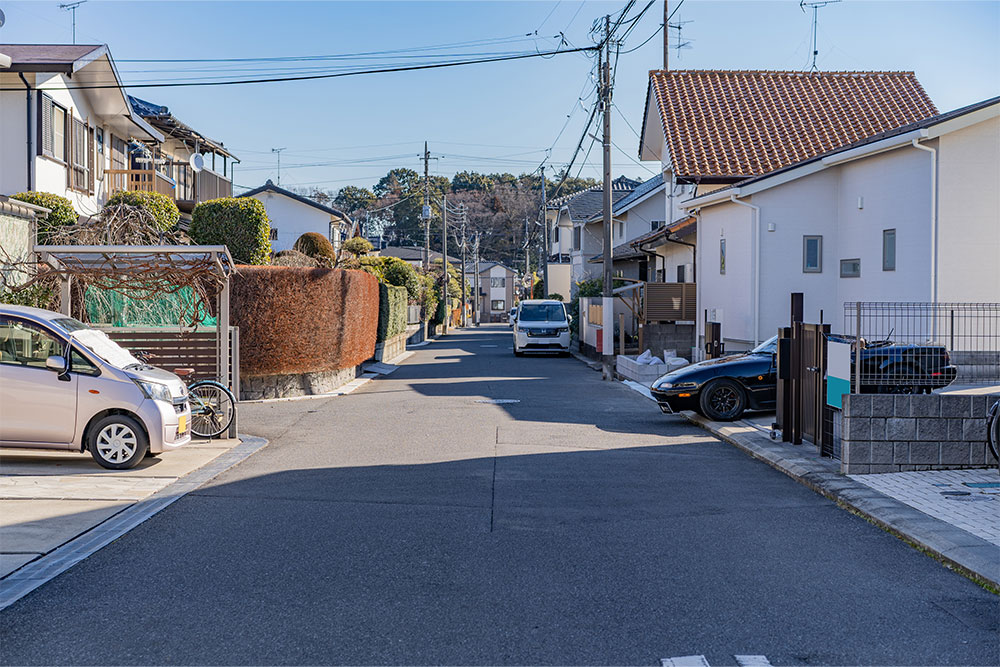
(182, 424)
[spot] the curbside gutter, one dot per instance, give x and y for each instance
(957, 549)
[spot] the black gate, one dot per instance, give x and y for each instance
(801, 395)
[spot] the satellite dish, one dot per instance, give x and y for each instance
(197, 162)
(2, 19)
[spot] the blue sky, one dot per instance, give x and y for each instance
(493, 117)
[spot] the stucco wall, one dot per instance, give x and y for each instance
(727, 297)
(969, 213)
(292, 219)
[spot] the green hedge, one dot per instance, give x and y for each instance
(240, 223)
(61, 211)
(391, 311)
(161, 207)
(402, 274)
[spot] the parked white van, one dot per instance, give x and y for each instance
(65, 385)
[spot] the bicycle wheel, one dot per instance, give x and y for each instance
(993, 432)
(213, 408)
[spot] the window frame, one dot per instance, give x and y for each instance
(47, 131)
(819, 253)
(502, 302)
(886, 234)
(494, 280)
(10, 320)
(856, 260)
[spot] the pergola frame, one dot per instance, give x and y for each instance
(67, 260)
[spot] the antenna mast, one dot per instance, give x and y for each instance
(815, 5)
(71, 7)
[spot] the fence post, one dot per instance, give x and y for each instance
(621, 334)
(857, 348)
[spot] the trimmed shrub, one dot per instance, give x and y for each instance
(318, 247)
(391, 311)
(402, 274)
(240, 223)
(161, 207)
(357, 246)
(61, 211)
(296, 320)
(557, 296)
(294, 258)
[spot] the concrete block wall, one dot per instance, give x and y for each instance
(921, 432)
(660, 336)
(299, 384)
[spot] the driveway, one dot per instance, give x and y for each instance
(474, 508)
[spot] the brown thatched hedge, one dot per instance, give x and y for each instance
(298, 320)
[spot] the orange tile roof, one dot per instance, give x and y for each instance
(727, 124)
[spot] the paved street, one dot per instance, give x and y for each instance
(416, 522)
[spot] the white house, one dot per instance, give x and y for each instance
(912, 214)
(496, 290)
(292, 215)
(62, 128)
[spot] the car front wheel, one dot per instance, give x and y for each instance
(722, 400)
(117, 442)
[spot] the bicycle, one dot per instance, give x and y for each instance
(213, 405)
(993, 432)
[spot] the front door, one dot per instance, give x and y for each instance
(35, 405)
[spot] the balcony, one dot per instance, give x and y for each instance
(187, 187)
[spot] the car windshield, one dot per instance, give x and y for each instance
(542, 312)
(769, 346)
(98, 342)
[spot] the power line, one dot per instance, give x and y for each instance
(314, 77)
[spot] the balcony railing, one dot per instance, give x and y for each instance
(187, 185)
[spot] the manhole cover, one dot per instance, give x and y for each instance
(971, 499)
(497, 401)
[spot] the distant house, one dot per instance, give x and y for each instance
(415, 255)
(58, 135)
(496, 290)
(912, 214)
(292, 215)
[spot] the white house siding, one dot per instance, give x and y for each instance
(13, 150)
(969, 210)
(672, 255)
(726, 297)
(292, 219)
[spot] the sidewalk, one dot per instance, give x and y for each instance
(58, 507)
(952, 514)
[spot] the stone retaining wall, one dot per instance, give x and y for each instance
(301, 384)
(391, 348)
(921, 432)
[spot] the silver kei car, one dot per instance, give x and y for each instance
(541, 325)
(67, 386)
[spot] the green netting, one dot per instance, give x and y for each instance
(113, 308)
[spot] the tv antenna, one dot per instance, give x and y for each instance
(278, 151)
(71, 7)
(815, 6)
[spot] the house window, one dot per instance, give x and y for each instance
(497, 304)
(99, 161)
(655, 224)
(722, 256)
(850, 268)
(888, 249)
(812, 254)
(621, 230)
(498, 282)
(576, 238)
(274, 233)
(80, 155)
(53, 129)
(680, 273)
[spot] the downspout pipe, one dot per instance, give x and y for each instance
(27, 124)
(934, 216)
(756, 266)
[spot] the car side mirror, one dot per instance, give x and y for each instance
(56, 363)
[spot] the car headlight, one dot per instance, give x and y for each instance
(155, 390)
(563, 329)
(662, 385)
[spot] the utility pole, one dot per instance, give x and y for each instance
(666, 38)
(465, 302)
(545, 241)
(426, 212)
(444, 263)
(607, 323)
(527, 259)
(475, 279)
(278, 151)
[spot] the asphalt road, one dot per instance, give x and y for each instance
(411, 522)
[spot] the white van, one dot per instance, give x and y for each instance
(65, 385)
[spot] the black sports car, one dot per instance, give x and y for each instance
(721, 389)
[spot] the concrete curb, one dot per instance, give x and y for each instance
(959, 550)
(593, 365)
(22, 581)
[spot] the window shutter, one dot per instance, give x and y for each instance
(69, 152)
(45, 126)
(90, 158)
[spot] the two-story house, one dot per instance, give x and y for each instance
(713, 128)
(65, 121)
(293, 215)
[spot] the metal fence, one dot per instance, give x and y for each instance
(910, 347)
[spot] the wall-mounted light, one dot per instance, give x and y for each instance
(861, 203)
(771, 227)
